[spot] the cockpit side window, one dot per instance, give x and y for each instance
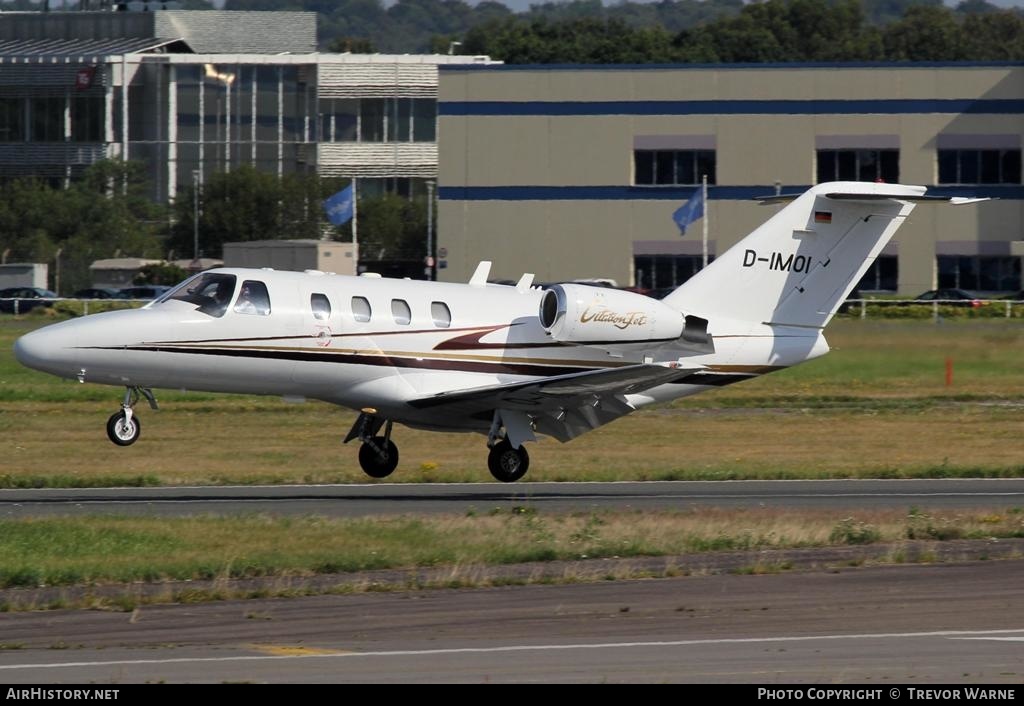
(253, 298)
(210, 292)
(321, 306)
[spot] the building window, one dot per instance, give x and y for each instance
(371, 120)
(87, 119)
(859, 165)
(400, 310)
(321, 306)
(47, 119)
(12, 120)
(979, 166)
(339, 120)
(882, 276)
(441, 314)
(672, 167)
(361, 310)
(662, 273)
(424, 120)
(378, 120)
(983, 273)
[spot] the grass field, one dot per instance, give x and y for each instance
(877, 406)
(60, 552)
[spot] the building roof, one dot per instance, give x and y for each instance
(48, 49)
(122, 263)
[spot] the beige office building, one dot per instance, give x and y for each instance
(575, 172)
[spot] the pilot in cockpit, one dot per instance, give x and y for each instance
(245, 303)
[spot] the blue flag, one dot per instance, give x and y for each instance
(690, 211)
(339, 207)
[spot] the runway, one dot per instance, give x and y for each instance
(876, 627)
(873, 626)
(417, 498)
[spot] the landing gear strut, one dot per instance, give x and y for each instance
(124, 428)
(378, 455)
(506, 463)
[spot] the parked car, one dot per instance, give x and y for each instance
(951, 296)
(25, 298)
(98, 293)
(151, 291)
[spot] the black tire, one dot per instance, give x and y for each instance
(375, 465)
(121, 434)
(506, 463)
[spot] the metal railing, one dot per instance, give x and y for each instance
(935, 304)
(27, 304)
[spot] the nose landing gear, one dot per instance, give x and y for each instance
(124, 428)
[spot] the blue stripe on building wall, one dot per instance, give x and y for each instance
(740, 66)
(991, 106)
(641, 193)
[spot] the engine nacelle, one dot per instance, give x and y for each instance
(607, 318)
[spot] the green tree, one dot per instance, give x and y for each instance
(104, 214)
(160, 273)
(925, 33)
(785, 31)
(392, 228)
(247, 204)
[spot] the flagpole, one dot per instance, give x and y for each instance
(704, 221)
(355, 236)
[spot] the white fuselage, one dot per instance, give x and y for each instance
(382, 343)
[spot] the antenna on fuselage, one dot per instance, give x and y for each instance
(483, 270)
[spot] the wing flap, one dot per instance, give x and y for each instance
(562, 406)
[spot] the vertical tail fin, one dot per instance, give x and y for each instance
(799, 266)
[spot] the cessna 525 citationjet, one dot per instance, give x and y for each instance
(507, 361)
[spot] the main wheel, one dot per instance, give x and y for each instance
(121, 431)
(373, 463)
(506, 463)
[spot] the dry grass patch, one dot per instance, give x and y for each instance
(876, 407)
(57, 551)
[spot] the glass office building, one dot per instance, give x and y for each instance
(190, 93)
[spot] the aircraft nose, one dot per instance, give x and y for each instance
(46, 349)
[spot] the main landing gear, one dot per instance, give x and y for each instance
(378, 455)
(124, 428)
(506, 463)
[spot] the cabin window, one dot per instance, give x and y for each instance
(321, 306)
(441, 314)
(400, 310)
(253, 298)
(211, 293)
(361, 309)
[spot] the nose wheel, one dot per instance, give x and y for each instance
(124, 428)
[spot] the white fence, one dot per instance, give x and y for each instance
(19, 305)
(863, 305)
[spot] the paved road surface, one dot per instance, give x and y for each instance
(878, 627)
(399, 498)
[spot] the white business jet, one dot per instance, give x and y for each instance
(507, 361)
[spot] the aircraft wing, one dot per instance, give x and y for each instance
(562, 406)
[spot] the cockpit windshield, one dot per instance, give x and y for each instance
(210, 292)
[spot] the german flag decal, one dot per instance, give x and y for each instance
(822, 216)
